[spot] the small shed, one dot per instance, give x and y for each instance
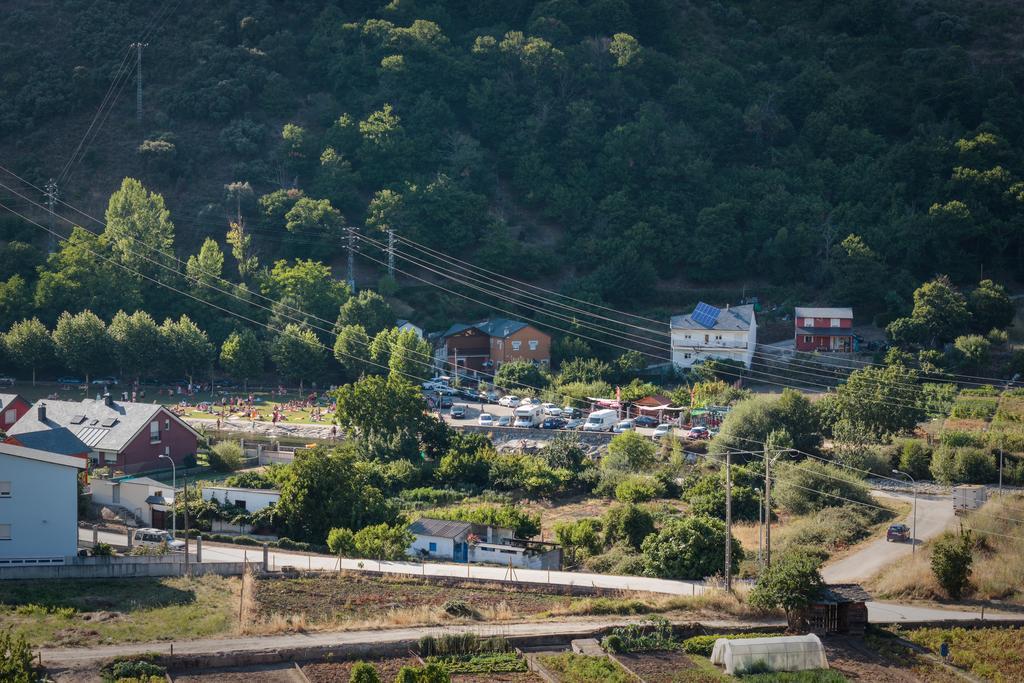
(779, 653)
(841, 608)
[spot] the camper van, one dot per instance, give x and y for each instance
(528, 416)
(601, 420)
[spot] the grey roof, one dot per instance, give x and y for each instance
(92, 422)
(813, 312)
(52, 440)
(440, 528)
(7, 398)
(494, 327)
(736, 318)
(844, 592)
(142, 480)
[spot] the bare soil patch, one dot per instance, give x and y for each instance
(332, 672)
(665, 666)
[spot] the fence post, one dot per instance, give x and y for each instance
(95, 535)
(266, 557)
(199, 548)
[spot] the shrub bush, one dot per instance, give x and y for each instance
(915, 458)
(363, 672)
(958, 438)
(703, 645)
(458, 608)
(813, 485)
(639, 489)
(225, 456)
(341, 541)
(951, 563)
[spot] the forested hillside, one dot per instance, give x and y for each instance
(620, 150)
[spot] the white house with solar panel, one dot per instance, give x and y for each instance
(728, 333)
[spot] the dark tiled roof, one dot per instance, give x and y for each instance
(441, 528)
(55, 440)
(845, 592)
(494, 327)
(107, 428)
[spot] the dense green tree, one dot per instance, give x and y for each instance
(29, 344)
(82, 343)
(952, 557)
(881, 401)
(991, 307)
(136, 340)
(139, 229)
(411, 357)
(368, 309)
(315, 227)
(352, 351)
(187, 347)
(812, 485)
(688, 548)
(792, 582)
(751, 420)
(579, 538)
(629, 452)
(312, 295)
(375, 407)
(241, 356)
(383, 541)
(627, 523)
(519, 374)
(940, 311)
(298, 354)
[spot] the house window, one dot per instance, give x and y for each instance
(516, 345)
(807, 340)
(240, 504)
(5, 532)
(687, 337)
(5, 489)
(686, 355)
(808, 322)
(154, 431)
(718, 337)
(432, 547)
(11, 416)
(534, 344)
(835, 322)
(707, 338)
(109, 457)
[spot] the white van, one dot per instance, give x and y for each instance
(528, 416)
(601, 420)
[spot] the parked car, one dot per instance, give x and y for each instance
(571, 413)
(458, 411)
(446, 402)
(551, 409)
(645, 421)
(6, 381)
(70, 380)
(485, 420)
(898, 533)
(623, 426)
(489, 396)
(553, 423)
(105, 381)
(661, 431)
(698, 433)
(156, 538)
(504, 421)
(509, 401)
(532, 400)
(575, 423)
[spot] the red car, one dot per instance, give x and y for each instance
(898, 533)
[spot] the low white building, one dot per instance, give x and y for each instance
(147, 502)
(728, 333)
(404, 325)
(38, 506)
(249, 500)
(455, 541)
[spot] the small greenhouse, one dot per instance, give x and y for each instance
(782, 653)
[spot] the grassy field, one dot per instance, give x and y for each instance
(998, 568)
(994, 654)
(90, 612)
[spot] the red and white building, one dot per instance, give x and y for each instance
(824, 329)
(12, 407)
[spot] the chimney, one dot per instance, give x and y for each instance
(41, 412)
(107, 401)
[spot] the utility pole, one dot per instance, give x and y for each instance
(51, 199)
(351, 260)
(728, 521)
(767, 509)
(138, 80)
(391, 253)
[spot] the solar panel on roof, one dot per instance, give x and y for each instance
(78, 419)
(705, 315)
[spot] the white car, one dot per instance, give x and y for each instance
(551, 409)
(509, 401)
(157, 538)
(624, 426)
(485, 420)
(533, 400)
(661, 430)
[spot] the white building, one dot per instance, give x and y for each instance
(709, 332)
(404, 325)
(38, 505)
(454, 541)
(147, 501)
(250, 500)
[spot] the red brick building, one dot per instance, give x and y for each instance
(824, 329)
(486, 345)
(12, 407)
(126, 437)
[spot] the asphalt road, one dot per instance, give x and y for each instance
(934, 515)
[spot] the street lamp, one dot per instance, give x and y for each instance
(913, 541)
(174, 485)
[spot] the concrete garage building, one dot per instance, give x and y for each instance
(125, 437)
(38, 506)
(146, 502)
(456, 541)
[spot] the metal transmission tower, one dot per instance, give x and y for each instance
(351, 260)
(51, 199)
(138, 82)
(391, 253)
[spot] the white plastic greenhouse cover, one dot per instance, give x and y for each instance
(782, 653)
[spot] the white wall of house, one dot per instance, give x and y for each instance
(130, 495)
(254, 499)
(443, 548)
(38, 510)
(497, 553)
(692, 346)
